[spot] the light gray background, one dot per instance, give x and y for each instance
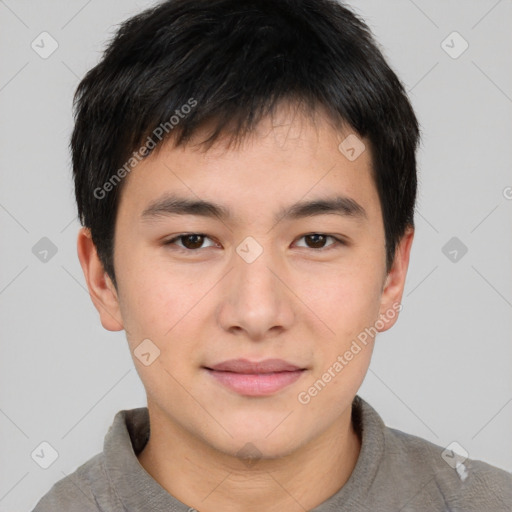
(442, 373)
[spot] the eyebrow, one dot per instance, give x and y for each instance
(169, 205)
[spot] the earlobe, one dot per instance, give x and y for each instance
(101, 288)
(395, 281)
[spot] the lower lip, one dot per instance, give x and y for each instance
(261, 384)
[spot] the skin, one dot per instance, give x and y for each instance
(298, 301)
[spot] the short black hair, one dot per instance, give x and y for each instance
(229, 63)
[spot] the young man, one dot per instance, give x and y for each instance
(245, 174)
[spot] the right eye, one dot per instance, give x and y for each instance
(189, 241)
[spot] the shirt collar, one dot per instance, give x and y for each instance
(133, 485)
(138, 490)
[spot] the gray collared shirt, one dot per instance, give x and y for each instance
(394, 472)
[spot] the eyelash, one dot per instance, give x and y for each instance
(172, 241)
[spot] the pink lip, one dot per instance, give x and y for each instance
(255, 378)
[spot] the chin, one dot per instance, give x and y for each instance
(259, 443)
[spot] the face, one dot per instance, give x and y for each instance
(282, 272)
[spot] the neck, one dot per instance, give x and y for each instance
(209, 480)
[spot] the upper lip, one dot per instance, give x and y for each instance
(252, 367)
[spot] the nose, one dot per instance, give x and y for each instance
(256, 303)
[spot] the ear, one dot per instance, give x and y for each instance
(101, 289)
(395, 282)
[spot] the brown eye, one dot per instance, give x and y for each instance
(318, 241)
(191, 242)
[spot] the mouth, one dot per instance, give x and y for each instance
(249, 378)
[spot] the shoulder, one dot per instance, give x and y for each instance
(464, 483)
(92, 486)
(81, 491)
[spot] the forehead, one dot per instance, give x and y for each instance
(288, 157)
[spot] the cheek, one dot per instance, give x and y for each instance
(150, 302)
(161, 304)
(155, 311)
(347, 299)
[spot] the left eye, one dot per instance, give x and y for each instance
(194, 241)
(318, 240)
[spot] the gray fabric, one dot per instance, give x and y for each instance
(394, 472)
